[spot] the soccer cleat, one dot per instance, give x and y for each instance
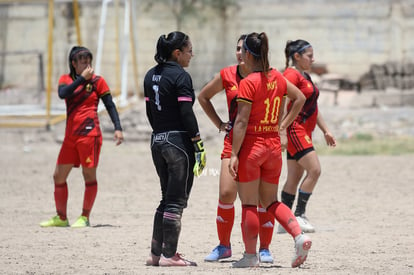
(219, 252)
(304, 224)
(265, 256)
(175, 260)
(55, 221)
(302, 245)
(153, 260)
(82, 221)
(281, 229)
(248, 260)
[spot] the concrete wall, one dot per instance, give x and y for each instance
(348, 35)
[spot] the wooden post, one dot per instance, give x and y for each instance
(76, 15)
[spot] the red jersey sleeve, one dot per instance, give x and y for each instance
(291, 75)
(246, 91)
(231, 80)
(297, 79)
(102, 87)
(65, 80)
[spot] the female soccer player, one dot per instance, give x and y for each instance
(81, 89)
(301, 155)
(176, 146)
(228, 80)
(256, 158)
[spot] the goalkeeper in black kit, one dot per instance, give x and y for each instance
(177, 149)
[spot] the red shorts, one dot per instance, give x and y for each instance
(82, 150)
(260, 157)
(299, 139)
(226, 153)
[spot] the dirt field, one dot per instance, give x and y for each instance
(362, 209)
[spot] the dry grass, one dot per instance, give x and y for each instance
(364, 144)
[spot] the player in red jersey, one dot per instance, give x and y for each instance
(81, 89)
(228, 80)
(301, 155)
(256, 158)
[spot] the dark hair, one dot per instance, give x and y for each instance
(298, 46)
(258, 45)
(241, 37)
(75, 53)
(167, 44)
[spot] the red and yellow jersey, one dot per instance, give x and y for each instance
(231, 80)
(265, 93)
(309, 113)
(82, 106)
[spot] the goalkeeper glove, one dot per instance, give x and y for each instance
(200, 157)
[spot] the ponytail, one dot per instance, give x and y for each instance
(167, 44)
(264, 50)
(287, 53)
(258, 45)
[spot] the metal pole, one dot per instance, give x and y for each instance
(118, 52)
(101, 36)
(133, 48)
(50, 63)
(124, 72)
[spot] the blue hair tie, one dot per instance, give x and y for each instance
(248, 49)
(303, 48)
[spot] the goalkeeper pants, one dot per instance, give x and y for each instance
(173, 157)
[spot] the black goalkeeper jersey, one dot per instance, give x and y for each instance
(169, 97)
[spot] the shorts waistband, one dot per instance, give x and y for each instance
(160, 137)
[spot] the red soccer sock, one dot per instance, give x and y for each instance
(250, 227)
(285, 217)
(91, 189)
(61, 199)
(267, 222)
(224, 222)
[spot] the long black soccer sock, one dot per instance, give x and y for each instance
(288, 199)
(157, 234)
(171, 229)
(303, 198)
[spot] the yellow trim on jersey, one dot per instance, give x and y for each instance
(243, 100)
(105, 93)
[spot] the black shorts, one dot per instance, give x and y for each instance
(300, 154)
